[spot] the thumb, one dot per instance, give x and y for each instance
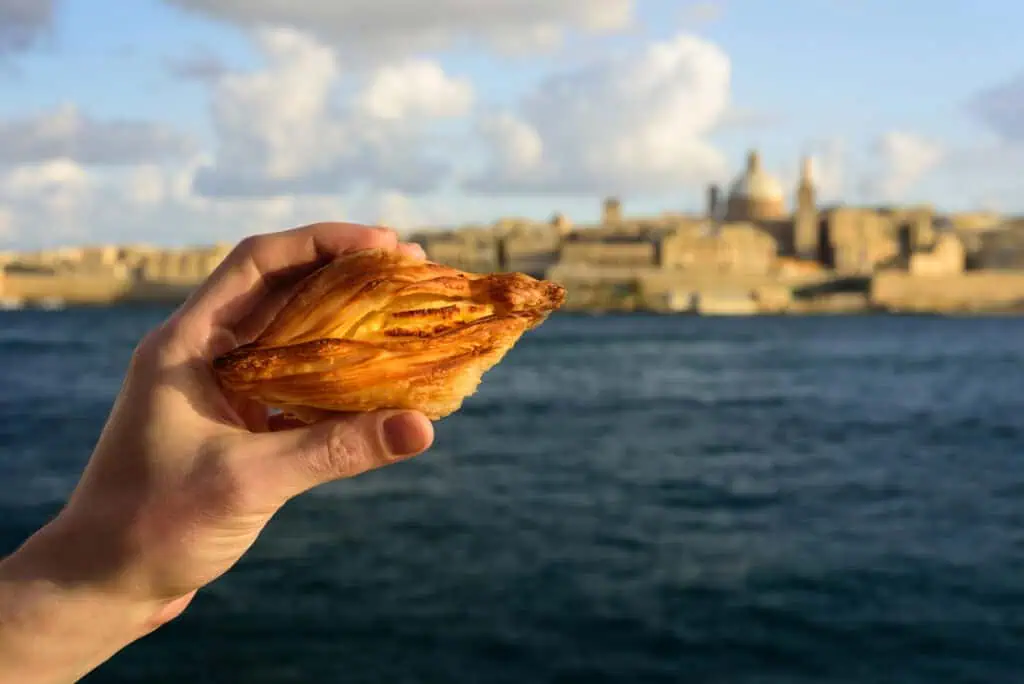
(296, 460)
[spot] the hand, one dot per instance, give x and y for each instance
(184, 478)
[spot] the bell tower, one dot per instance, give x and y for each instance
(805, 220)
(753, 162)
(611, 212)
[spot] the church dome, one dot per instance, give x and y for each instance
(756, 195)
(755, 183)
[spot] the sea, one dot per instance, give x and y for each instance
(627, 499)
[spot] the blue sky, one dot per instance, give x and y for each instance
(895, 103)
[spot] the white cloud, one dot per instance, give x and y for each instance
(402, 212)
(637, 125)
(414, 88)
(67, 133)
(61, 202)
(282, 131)
(386, 28)
(46, 198)
(905, 158)
(45, 178)
(518, 148)
(276, 119)
(147, 185)
(301, 139)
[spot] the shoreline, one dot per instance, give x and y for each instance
(599, 291)
(868, 312)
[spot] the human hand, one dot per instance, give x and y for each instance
(184, 477)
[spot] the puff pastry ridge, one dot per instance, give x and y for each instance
(376, 329)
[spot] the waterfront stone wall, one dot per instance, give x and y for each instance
(72, 288)
(965, 292)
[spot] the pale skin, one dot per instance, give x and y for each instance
(184, 478)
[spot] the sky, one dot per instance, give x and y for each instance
(192, 121)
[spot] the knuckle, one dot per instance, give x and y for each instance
(151, 344)
(244, 249)
(345, 451)
(248, 244)
(156, 347)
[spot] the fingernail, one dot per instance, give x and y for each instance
(404, 434)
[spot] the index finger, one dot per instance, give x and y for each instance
(260, 263)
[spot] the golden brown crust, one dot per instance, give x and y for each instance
(377, 329)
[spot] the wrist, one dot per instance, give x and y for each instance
(58, 619)
(64, 561)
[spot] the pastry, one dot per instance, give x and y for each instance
(376, 329)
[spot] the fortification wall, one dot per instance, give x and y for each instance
(711, 281)
(72, 288)
(965, 292)
(170, 290)
(92, 288)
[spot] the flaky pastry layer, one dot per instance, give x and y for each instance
(375, 329)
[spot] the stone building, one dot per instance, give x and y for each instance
(612, 252)
(946, 256)
(849, 240)
(633, 229)
(974, 221)
(756, 195)
(746, 240)
(473, 248)
(744, 248)
(99, 257)
(530, 248)
(691, 248)
(855, 241)
(562, 224)
(732, 248)
(611, 213)
(999, 248)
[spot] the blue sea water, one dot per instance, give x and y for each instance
(627, 499)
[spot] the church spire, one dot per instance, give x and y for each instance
(807, 172)
(753, 161)
(806, 234)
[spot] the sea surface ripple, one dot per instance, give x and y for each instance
(627, 499)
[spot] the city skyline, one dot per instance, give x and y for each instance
(185, 121)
